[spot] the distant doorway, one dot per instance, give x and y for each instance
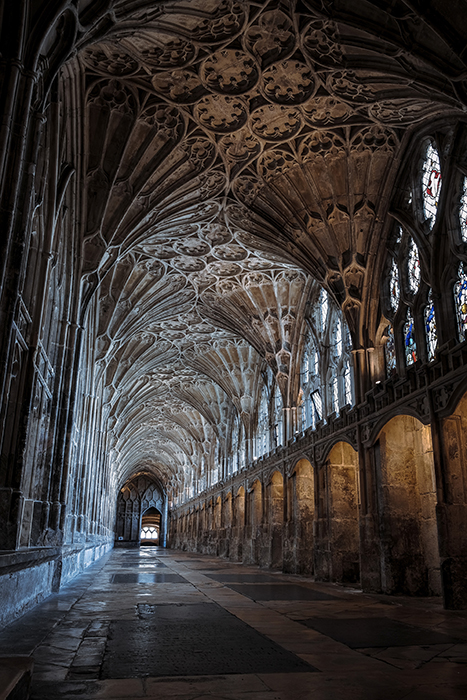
(151, 527)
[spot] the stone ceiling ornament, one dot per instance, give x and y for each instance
(237, 153)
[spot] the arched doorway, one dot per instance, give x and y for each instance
(151, 521)
(140, 496)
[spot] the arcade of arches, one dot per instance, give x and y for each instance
(233, 277)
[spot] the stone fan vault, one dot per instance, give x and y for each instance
(207, 211)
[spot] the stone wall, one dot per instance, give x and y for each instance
(29, 576)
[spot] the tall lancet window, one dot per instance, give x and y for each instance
(390, 352)
(431, 184)
(324, 307)
(409, 340)
(394, 287)
(310, 381)
(278, 417)
(413, 261)
(348, 383)
(262, 432)
(460, 298)
(235, 454)
(431, 332)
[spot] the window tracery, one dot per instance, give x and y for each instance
(234, 459)
(317, 402)
(335, 395)
(310, 382)
(414, 273)
(431, 183)
(460, 298)
(409, 338)
(149, 533)
(262, 431)
(431, 331)
(394, 287)
(348, 383)
(278, 417)
(326, 370)
(324, 306)
(390, 351)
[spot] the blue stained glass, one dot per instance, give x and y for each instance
(460, 296)
(409, 340)
(431, 331)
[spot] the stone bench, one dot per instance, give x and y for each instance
(15, 677)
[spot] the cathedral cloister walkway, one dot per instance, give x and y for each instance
(158, 623)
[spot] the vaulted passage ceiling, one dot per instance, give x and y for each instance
(237, 155)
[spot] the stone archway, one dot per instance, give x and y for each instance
(140, 495)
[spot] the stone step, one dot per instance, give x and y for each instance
(15, 677)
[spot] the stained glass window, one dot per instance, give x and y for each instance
(263, 425)
(304, 422)
(394, 288)
(306, 367)
(338, 337)
(335, 395)
(414, 267)
(278, 431)
(431, 183)
(317, 406)
(409, 340)
(348, 383)
(390, 352)
(430, 328)
(460, 296)
(242, 448)
(463, 211)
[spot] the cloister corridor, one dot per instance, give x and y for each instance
(155, 623)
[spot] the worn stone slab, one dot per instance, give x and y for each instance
(199, 639)
(279, 591)
(363, 632)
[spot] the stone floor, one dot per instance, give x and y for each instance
(155, 623)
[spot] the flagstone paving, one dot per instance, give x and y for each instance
(154, 623)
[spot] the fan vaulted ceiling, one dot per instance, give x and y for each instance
(238, 154)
